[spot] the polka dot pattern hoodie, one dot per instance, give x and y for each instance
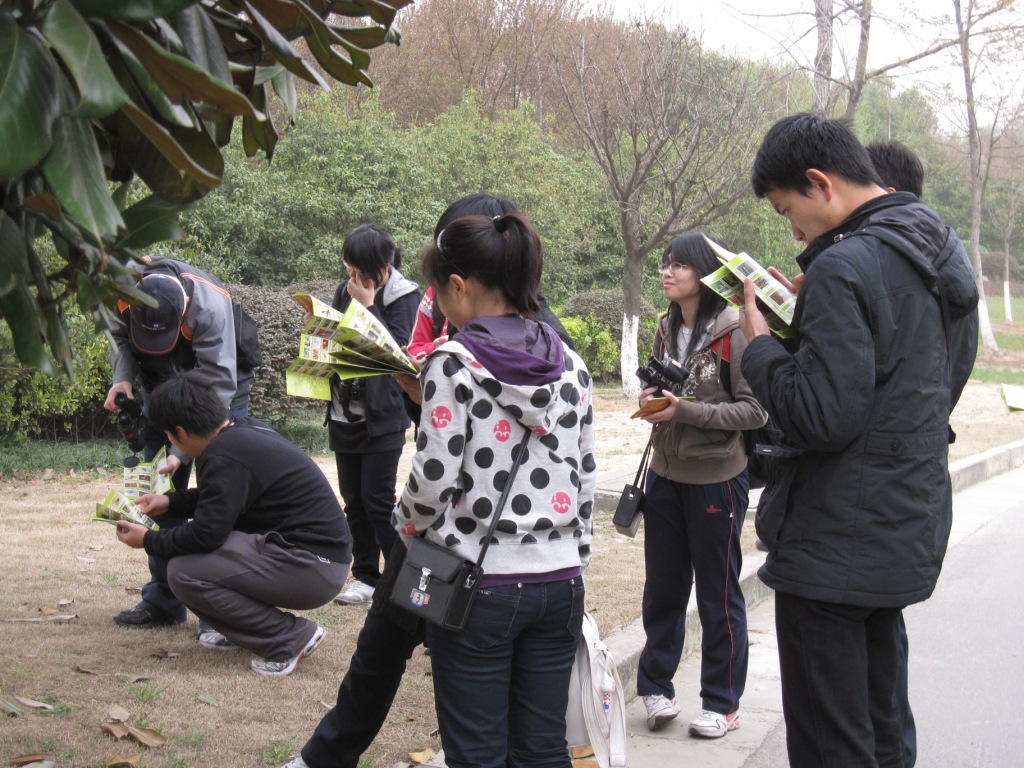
(481, 390)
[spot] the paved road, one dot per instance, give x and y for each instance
(966, 670)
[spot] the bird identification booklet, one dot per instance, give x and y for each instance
(774, 299)
(349, 344)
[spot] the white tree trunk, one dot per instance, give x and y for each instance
(628, 357)
(1006, 301)
(988, 338)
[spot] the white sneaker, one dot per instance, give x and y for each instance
(211, 638)
(711, 725)
(270, 668)
(355, 594)
(295, 762)
(660, 709)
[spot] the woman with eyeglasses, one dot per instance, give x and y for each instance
(696, 495)
(366, 418)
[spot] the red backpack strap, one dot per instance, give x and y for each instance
(721, 349)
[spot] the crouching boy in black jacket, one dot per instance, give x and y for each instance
(265, 530)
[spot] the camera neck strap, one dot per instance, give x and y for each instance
(520, 453)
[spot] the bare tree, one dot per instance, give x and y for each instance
(673, 129)
(1006, 167)
(967, 22)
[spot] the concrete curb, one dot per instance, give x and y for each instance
(627, 643)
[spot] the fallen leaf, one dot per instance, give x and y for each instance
(421, 757)
(208, 700)
(29, 759)
(85, 559)
(325, 705)
(32, 704)
(161, 653)
(133, 678)
(48, 611)
(117, 730)
(586, 762)
(118, 714)
(96, 547)
(58, 617)
(133, 590)
(583, 751)
(11, 709)
(72, 473)
(48, 473)
(64, 602)
(120, 761)
(147, 736)
(85, 670)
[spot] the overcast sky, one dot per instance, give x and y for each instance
(761, 29)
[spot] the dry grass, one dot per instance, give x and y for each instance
(211, 708)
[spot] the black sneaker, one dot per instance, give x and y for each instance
(140, 617)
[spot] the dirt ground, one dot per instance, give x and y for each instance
(211, 709)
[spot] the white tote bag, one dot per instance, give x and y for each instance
(596, 714)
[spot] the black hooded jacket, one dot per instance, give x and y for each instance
(862, 516)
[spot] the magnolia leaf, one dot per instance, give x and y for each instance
(147, 736)
(286, 17)
(142, 89)
(118, 714)
(202, 697)
(37, 757)
(80, 50)
(29, 98)
(179, 78)
(258, 134)
(74, 171)
(13, 254)
(364, 37)
(284, 87)
(130, 10)
(115, 729)
(281, 48)
(19, 309)
(202, 42)
(32, 703)
(120, 761)
(149, 221)
(171, 172)
(335, 65)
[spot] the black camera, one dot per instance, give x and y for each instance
(352, 390)
(130, 420)
(663, 374)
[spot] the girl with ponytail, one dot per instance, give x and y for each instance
(501, 684)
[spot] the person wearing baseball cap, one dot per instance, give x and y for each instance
(189, 326)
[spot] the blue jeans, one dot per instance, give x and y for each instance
(501, 685)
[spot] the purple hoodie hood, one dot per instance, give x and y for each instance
(515, 350)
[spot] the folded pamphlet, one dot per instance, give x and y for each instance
(774, 299)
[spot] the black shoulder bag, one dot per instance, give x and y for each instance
(437, 584)
(630, 509)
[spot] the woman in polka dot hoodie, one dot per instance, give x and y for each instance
(501, 684)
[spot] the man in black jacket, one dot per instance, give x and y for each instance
(886, 335)
(264, 529)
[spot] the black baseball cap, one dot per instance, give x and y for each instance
(154, 330)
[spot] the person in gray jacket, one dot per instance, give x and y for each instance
(191, 328)
(857, 526)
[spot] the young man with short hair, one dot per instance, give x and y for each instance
(886, 335)
(264, 529)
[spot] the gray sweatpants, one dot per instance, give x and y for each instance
(240, 588)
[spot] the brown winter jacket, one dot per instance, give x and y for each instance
(704, 441)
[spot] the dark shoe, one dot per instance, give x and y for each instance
(140, 617)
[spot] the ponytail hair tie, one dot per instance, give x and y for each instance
(500, 224)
